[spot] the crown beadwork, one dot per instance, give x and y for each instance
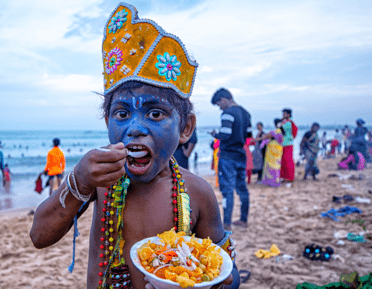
(139, 49)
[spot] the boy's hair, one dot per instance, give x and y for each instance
(221, 93)
(56, 142)
(260, 123)
(183, 106)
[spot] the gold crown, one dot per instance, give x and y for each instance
(139, 49)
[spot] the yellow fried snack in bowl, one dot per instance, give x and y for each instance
(173, 260)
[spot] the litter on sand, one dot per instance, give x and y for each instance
(342, 234)
(343, 177)
(341, 212)
(317, 253)
(362, 200)
(274, 251)
(349, 187)
(356, 238)
(285, 257)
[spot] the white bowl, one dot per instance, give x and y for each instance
(160, 283)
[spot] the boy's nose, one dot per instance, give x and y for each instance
(136, 129)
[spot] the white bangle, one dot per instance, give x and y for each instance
(75, 193)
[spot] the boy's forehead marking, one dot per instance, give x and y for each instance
(138, 101)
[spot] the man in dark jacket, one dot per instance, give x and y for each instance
(235, 129)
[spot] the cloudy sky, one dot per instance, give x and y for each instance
(313, 56)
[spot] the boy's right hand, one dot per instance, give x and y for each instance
(101, 168)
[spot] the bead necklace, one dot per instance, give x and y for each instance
(181, 200)
(116, 269)
(110, 255)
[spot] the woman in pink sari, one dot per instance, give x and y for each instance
(354, 161)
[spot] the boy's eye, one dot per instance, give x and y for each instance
(156, 114)
(121, 114)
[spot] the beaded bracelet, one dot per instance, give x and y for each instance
(75, 193)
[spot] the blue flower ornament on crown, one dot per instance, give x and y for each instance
(139, 49)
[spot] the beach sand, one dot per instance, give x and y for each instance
(288, 216)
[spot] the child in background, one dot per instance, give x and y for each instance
(248, 154)
(334, 144)
(216, 152)
(7, 174)
(138, 189)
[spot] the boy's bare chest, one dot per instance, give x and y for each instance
(147, 215)
(146, 212)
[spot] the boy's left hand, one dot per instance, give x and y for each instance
(227, 281)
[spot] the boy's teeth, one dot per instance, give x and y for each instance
(139, 154)
(135, 147)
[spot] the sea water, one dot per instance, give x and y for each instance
(25, 153)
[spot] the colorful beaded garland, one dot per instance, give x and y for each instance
(117, 272)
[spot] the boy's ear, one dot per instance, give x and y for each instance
(106, 121)
(189, 128)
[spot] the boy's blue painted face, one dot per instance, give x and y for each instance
(148, 125)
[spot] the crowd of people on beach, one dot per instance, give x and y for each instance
(272, 160)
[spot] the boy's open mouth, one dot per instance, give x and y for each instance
(139, 159)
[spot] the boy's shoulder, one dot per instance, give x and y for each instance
(205, 208)
(196, 186)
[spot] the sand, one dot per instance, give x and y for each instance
(288, 216)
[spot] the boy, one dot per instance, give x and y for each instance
(148, 78)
